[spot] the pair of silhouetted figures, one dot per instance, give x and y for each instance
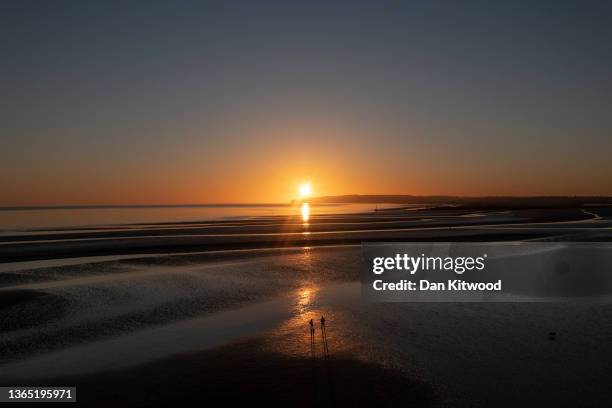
(322, 370)
(323, 337)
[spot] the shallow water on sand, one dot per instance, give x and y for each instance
(16, 219)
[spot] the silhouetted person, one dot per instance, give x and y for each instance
(324, 337)
(312, 339)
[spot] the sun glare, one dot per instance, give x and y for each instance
(304, 190)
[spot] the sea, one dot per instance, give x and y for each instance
(42, 218)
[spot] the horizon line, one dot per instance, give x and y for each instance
(291, 202)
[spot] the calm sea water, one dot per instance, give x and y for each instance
(19, 220)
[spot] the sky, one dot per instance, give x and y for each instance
(235, 102)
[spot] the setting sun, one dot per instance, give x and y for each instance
(304, 190)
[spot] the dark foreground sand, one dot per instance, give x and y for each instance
(246, 373)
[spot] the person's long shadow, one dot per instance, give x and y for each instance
(322, 373)
(329, 384)
(312, 343)
(325, 345)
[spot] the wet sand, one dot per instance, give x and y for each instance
(274, 232)
(197, 327)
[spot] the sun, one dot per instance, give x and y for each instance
(304, 190)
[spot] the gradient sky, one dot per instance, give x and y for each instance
(216, 102)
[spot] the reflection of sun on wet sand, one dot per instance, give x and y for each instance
(273, 369)
(274, 362)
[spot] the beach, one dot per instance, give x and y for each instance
(212, 312)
